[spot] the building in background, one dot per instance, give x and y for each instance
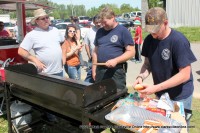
(180, 12)
(183, 12)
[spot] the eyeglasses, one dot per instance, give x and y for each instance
(71, 31)
(43, 18)
(1, 25)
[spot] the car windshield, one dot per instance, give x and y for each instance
(80, 26)
(139, 14)
(61, 26)
(8, 24)
(133, 15)
(119, 19)
(84, 18)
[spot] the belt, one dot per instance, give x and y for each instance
(121, 65)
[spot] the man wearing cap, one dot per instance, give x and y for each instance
(46, 43)
(168, 57)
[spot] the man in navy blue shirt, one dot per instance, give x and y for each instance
(168, 57)
(113, 46)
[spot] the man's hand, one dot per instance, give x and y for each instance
(40, 66)
(149, 89)
(111, 63)
(139, 80)
(94, 72)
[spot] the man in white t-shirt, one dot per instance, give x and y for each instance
(45, 42)
(89, 45)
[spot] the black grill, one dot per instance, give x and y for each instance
(79, 101)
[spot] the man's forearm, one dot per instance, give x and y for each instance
(145, 70)
(88, 51)
(26, 55)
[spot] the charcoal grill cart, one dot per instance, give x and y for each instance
(70, 99)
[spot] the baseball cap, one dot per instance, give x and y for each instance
(154, 18)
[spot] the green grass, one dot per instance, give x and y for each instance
(3, 124)
(195, 120)
(191, 33)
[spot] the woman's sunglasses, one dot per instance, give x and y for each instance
(71, 31)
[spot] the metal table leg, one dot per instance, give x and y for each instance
(7, 97)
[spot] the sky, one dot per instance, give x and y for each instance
(96, 3)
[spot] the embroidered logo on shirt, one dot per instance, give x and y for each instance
(165, 54)
(114, 38)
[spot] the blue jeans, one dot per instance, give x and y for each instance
(59, 74)
(74, 72)
(89, 76)
(187, 105)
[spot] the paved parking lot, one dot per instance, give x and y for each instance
(134, 69)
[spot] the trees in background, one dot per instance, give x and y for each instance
(63, 11)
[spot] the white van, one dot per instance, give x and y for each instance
(137, 13)
(83, 19)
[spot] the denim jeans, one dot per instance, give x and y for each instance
(59, 74)
(74, 72)
(187, 105)
(89, 76)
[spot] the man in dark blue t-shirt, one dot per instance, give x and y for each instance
(168, 57)
(113, 46)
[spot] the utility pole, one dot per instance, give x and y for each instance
(72, 6)
(145, 8)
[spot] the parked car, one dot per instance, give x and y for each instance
(82, 19)
(67, 20)
(9, 26)
(131, 15)
(122, 22)
(137, 13)
(130, 23)
(62, 28)
(85, 24)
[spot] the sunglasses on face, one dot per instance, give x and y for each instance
(71, 31)
(43, 18)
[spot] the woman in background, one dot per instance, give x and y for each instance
(70, 50)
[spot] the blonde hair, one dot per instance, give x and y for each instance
(107, 13)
